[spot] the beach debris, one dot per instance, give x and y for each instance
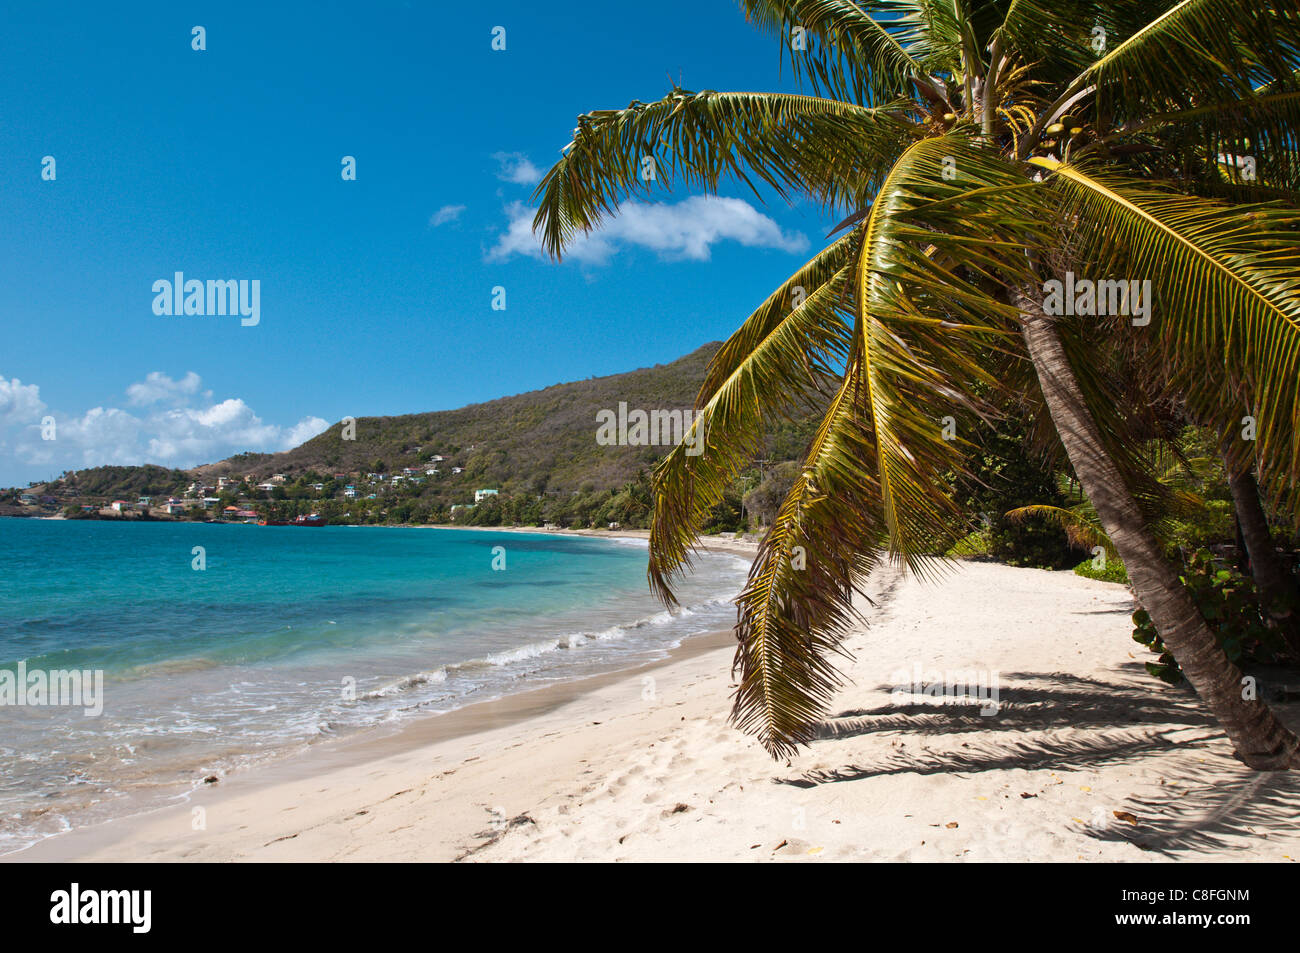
(815, 850)
(1027, 794)
(211, 779)
(950, 825)
(676, 809)
(779, 846)
(1126, 816)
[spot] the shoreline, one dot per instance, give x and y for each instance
(474, 717)
(452, 729)
(1086, 758)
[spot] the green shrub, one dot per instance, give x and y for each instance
(974, 544)
(1230, 606)
(1114, 571)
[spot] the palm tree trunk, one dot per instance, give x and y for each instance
(1277, 589)
(1260, 740)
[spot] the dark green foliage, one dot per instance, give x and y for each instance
(1230, 605)
(1006, 474)
(126, 482)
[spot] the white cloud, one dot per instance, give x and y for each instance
(448, 213)
(516, 168)
(687, 230)
(179, 426)
(304, 430)
(19, 403)
(157, 386)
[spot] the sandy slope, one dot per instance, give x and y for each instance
(649, 770)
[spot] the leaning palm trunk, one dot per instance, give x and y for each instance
(1260, 740)
(1277, 590)
(961, 136)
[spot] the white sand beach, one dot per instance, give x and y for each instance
(1088, 758)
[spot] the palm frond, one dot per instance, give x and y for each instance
(779, 357)
(1081, 524)
(834, 152)
(1225, 301)
(1199, 51)
(863, 51)
(798, 603)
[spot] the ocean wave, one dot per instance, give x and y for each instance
(541, 648)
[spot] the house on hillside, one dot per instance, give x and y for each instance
(268, 486)
(145, 501)
(121, 506)
(29, 498)
(350, 492)
(457, 469)
(481, 495)
(174, 509)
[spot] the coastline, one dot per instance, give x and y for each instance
(1088, 758)
(472, 717)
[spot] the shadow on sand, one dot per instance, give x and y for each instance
(1207, 802)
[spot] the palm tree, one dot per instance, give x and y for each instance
(983, 148)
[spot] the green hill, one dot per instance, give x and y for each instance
(538, 450)
(540, 441)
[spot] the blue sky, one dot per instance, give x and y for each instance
(375, 293)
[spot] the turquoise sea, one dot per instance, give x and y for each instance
(290, 635)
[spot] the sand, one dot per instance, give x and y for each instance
(1088, 758)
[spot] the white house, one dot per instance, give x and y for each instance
(481, 495)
